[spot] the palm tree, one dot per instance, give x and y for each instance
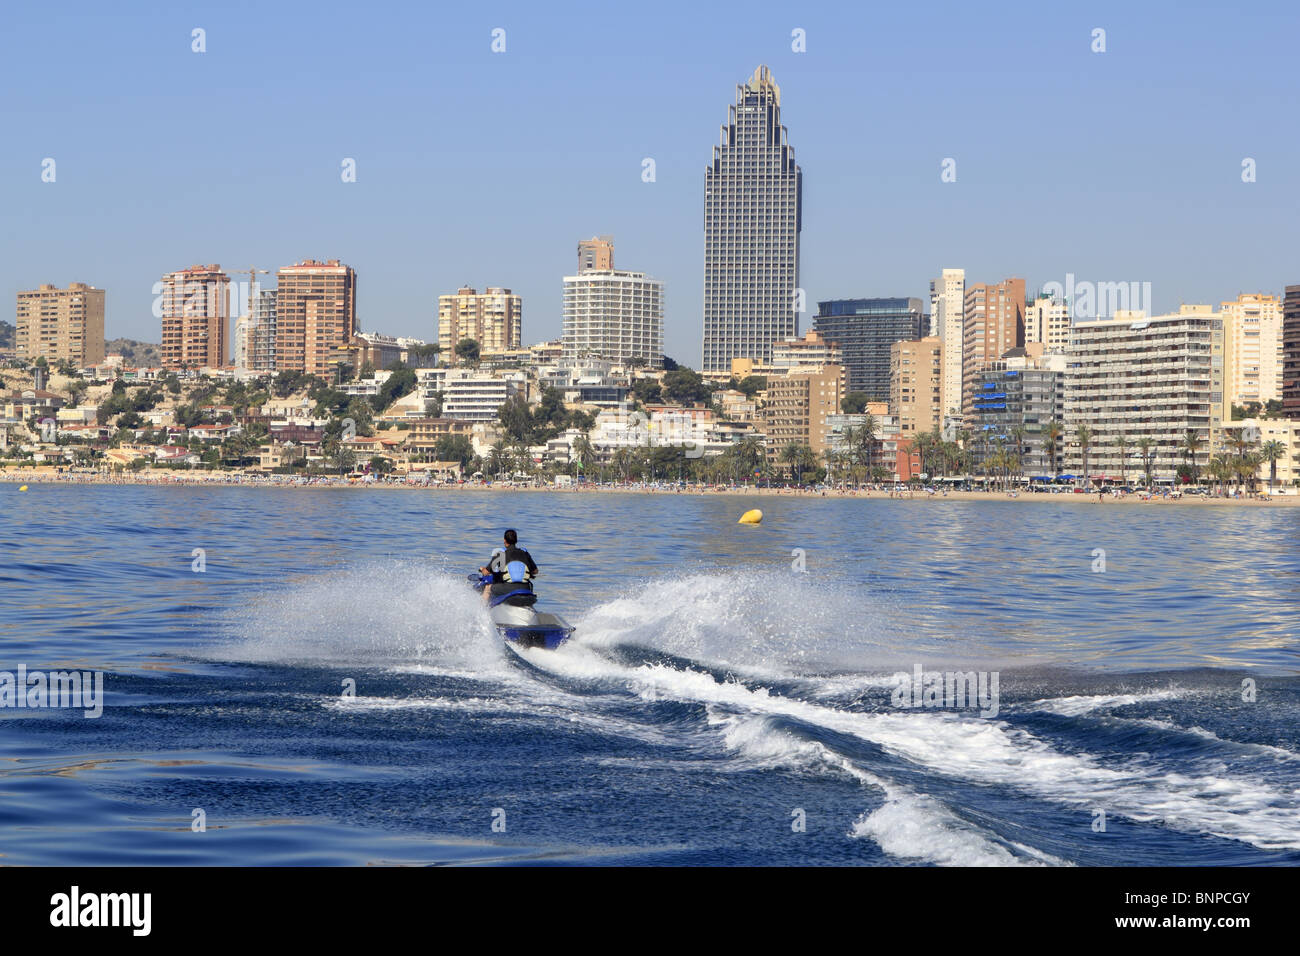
(861, 440)
(1145, 444)
(1270, 452)
(1083, 435)
(790, 456)
(922, 444)
(831, 459)
(583, 452)
(1218, 469)
(1121, 443)
(1240, 443)
(1052, 433)
(1018, 433)
(807, 459)
(1192, 443)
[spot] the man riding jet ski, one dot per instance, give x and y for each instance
(507, 585)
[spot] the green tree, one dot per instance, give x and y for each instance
(401, 382)
(468, 351)
(647, 391)
(456, 448)
(686, 386)
(1083, 435)
(854, 403)
(1270, 452)
(1146, 446)
(1192, 443)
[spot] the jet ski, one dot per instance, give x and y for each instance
(516, 618)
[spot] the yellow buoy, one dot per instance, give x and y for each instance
(752, 516)
(22, 487)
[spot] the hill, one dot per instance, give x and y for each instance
(137, 354)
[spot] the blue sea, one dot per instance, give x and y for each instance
(318, 685)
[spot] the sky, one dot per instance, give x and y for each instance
(481, 168)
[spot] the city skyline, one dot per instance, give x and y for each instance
(120, 212)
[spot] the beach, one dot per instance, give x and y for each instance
(155, 478)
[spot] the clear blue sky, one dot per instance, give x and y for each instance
(485, 169)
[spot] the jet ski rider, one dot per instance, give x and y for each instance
(504, 577)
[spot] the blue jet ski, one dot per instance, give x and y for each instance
(511, 606)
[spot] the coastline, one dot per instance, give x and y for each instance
(229, 480)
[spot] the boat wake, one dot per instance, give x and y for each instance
(783, 675)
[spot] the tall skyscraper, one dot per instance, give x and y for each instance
(865, 330)
(993, 324)
(752, 215)
(195, 317)
(596, 254)
(63, 325)
(1252, 329)
(492, 318)
(315, 315)
(1291, 352)
(614, 315)
(947, 304)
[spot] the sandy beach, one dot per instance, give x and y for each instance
(154, 478)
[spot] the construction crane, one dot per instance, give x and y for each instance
(252, 281)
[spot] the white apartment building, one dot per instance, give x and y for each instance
(947, 322)
(812, 349)
(468, 395)
(1286, 432)
(1158, 377)
(492, 318)
(614, 315)
(1253, 327)
(1047, 320)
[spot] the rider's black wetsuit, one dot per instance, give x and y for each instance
(499, 583)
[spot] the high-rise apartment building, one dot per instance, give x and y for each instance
(947, 304)
(752, 214)
(596, 254)
(492, 318)
(1158, 377)
(866, 330)
(1016, 397)
(798, 407)
(195, 317)
(1047, 322)
(1291, 352)
(261, 331)
(614, 315)
(916, 384)
(63, 325)
(812, 349)
(315, 315)
(1252, 326)
(993, 324)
